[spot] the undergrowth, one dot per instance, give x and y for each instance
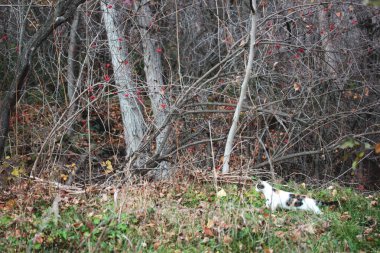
(186, 217)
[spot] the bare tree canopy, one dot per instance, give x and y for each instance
(152, 88)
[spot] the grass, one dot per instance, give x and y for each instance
(187, 217)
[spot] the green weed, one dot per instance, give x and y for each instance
(195, 219)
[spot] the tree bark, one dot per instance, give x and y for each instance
(153, 71)
(243, 91)
(64, 10)
(329, 57)
(132, 116)
(71, 58)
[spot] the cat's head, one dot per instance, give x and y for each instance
(263, 186)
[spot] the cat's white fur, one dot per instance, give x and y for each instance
(278, 198)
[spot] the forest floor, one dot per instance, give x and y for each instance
(183, 217)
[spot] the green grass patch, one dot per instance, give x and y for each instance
(192, 218)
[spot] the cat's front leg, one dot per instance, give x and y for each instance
(273, 207)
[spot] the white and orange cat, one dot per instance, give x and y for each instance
(287, 200)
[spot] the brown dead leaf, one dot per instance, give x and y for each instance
(156, 245)
(374, 203)
(370, 239)
(207, 231)
(268, 250)
(10, 204)
(38, 238)
(266, 215)
(77, 224)
(345, 216)
(371, 221)
(346, 246)
(368, 231)
(297, 86)
(280, 234)
(17, 233)
(206, 240)
(296, 235)
(377, 148)
(227, 239)
(326, 225)
(366, 91)
(203, 205)
(306, 229)
(90, 226)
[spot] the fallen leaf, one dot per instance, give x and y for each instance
(156, 245)
(17, 171)
(210, 223)
(366, 91)
(370, 239)
(374, 203)
(346, 246)
(307, 228)
(325, 226)
(296, 235)
(221, 193)
(377, 148)
(207, 231)
(371, 221)
(368, 231)
(268, 250)
(345, 216)
(64, 177)
(227, 239)
(297, 86)
(104, 197)
(10, 204)
(359, 237)
(38, 238)
(77, 224)
(206, 239)
(17, 233)
(280, 234)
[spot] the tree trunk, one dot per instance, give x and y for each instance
(133, 118)
(243, 91)
(329, 57)
(71, 87)
(64, 10)
(154, 71)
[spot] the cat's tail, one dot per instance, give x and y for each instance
(327, 203)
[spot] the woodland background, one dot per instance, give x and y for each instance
(104, 91)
